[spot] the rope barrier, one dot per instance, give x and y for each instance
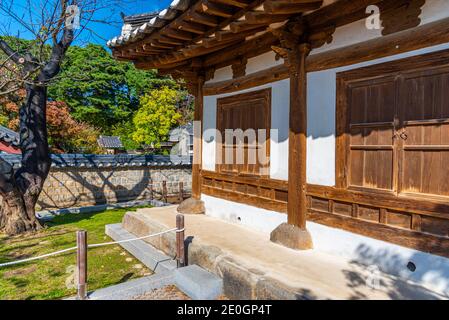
(129, 240)
(36, 258)
(96, 245)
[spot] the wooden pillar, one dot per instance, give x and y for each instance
(294, 234)
(197, 140)
(195, 81)
(297, 177)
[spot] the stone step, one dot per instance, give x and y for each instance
(133, 288)
(198, 283)
(142, 251)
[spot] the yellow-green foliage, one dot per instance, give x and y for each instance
(157, 114)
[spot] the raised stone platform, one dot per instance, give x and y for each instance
(253, 267)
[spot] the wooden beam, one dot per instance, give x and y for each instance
(217, 9)
(256, 79)
(428, 35)
(411, 239)
(235, 3)
(336, 14)
(291, 7)
(259, 17)
(256, 45)
(178, 34)
(240, 26)
(229, 35)
(205, 19)
(192, 27)
(168, 40)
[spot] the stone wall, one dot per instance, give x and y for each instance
(84, 180)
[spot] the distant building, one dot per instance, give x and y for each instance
(111, 144)
(9, 141)
(182, 140)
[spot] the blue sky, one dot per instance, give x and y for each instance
(100, 31)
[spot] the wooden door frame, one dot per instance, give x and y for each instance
(344, 79)
(247, 96)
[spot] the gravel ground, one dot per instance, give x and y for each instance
(168, 293)
(165, 293)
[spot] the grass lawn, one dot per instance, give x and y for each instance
(53, 278)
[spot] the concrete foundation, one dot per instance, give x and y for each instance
(253, 267)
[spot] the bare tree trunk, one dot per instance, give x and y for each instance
(20, 189)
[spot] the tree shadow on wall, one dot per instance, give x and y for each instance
(398, 286)
(100, 188)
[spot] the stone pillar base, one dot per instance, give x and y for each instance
(292, 237)
(192, 206)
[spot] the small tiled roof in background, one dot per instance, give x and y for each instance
(133, 22)
(107, 161)
(9, 136)
(110, 142)
(158, 20)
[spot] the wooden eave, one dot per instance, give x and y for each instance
(205, 27)
(221, 32)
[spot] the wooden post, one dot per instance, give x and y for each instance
(294, 233)
(180, 255)
(197, 91)
(164, 191)
(181, 191)
(297, 178)
(81, 260)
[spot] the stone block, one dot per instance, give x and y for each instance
(191, 206)
(292, 237)
(238, 282)
(198, 283)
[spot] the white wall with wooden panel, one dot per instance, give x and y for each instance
(280, 100)
(356, 32)
(433, 271)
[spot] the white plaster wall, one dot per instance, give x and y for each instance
(321, 128)
(209, 132)
(434, 10)
(280, 101)
(262, 62)
(356, 32)
(431, 271)
(221, 75)
(256, 64)
(321, 122)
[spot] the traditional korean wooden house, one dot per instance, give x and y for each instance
(358, 94)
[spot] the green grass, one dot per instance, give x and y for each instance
(52, 278)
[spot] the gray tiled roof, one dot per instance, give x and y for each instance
(176, 8)
(107, 161)
(137, 20)
(110, 142)
(9, 136)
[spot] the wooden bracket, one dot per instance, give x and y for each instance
(405, 16)
(239, 68)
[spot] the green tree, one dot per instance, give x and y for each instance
(100, 90)
(156, 116)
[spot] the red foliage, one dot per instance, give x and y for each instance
(65, 133)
